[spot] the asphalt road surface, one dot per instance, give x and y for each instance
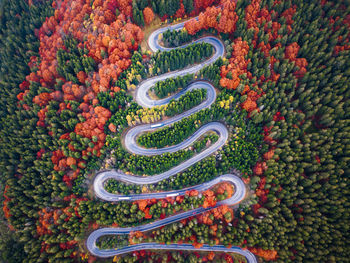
(141, 96)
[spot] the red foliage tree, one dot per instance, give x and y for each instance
(200, 5)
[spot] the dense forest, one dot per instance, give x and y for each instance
(68, 70)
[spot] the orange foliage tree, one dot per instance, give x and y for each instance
(265, 254)
(225, 187)
(209, 19)
(210, 199)
(237, 64)
(148, 15)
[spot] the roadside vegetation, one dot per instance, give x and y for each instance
(156, 164)
(181, 58)
(170, 86)
(181, 256)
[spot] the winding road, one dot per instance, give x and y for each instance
(142, 98)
